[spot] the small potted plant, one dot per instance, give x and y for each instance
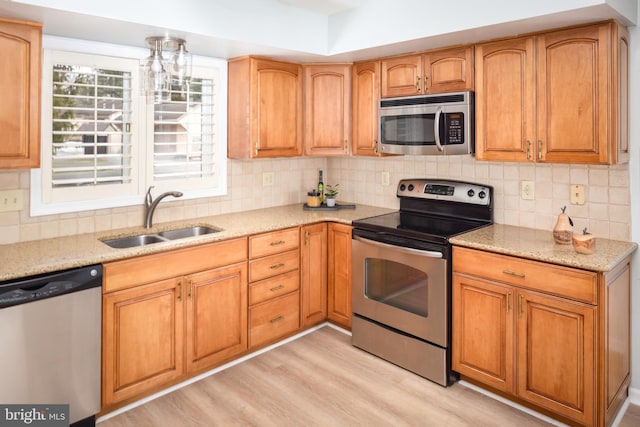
(330, 194)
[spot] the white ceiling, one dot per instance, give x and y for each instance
(309, 30)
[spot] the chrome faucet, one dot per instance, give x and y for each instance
(150, 204)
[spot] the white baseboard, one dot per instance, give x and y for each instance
(634, 396)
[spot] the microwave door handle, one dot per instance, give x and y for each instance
(431, 254)
(436, 128)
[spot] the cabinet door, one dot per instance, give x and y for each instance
(216, 315)
(327, 109)
(483, 331)
(402, 76)
(556, 348)
(505, 104)
(449, 70)
(264, 108)
(142, 335)
(277, 108)
(313, 274)
(574, 95)
(20, 76)
(365, 98)
(339, 268)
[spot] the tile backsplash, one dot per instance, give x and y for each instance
(606, 212)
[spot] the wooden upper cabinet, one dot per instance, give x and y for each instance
(557, 97)
(20, 75)
(327, 109)
(364, 108)
(264, 108)
(446, 70)
(505, 109)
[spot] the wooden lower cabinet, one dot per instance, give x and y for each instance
(339, 268)
(216, 315)
(143, 339)
(538, 332)
(158, 331)
(274, 286)
(313, 274)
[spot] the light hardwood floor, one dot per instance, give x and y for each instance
(321, 380)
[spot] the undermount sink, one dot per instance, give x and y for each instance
(182, 233)
(132, 241)
(163, 236)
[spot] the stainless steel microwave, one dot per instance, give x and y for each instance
(439, 124)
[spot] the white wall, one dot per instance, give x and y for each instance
(634, 178)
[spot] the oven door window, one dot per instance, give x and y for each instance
(397, 285)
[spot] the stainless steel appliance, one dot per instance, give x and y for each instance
(441, 124)
(402, 273)
(51, 339)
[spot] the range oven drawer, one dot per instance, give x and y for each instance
(417, 356)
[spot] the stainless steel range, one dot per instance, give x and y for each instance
(402, 273)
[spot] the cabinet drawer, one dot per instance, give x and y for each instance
(273, 319)
(274, 287)
(273, 265)
(562, 281)
(274, 242)
(150, 268)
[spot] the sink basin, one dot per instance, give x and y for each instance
(132, 241)
(182, 233)
(163, 236)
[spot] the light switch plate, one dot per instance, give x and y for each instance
(577, 194)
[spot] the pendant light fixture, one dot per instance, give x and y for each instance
(167, 66)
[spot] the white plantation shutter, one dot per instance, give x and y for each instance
(183, 135)
(91, 126)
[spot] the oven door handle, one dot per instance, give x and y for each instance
(431, 254)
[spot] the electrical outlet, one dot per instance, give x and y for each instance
(385, 178)
(528, 190)
(11, 200)
(268, 179)
(577, 194)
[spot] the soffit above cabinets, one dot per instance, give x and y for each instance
(309, 30)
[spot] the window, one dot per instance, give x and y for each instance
(103, 145)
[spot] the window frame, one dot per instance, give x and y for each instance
(141, 179)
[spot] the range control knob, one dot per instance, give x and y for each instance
(471, 193)
(403, 187)
(411, 187)
(482, 194)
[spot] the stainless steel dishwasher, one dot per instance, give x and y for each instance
(51, 338)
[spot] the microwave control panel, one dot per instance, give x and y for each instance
(454, 125)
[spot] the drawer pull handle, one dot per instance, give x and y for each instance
(277, 288)
(278, 243)
(277, 319)
(513, 273)
(273, 267)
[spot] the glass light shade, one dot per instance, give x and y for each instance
(181, 63)
(160, 73)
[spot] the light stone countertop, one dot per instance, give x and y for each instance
(47, 255)
(539, 245)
